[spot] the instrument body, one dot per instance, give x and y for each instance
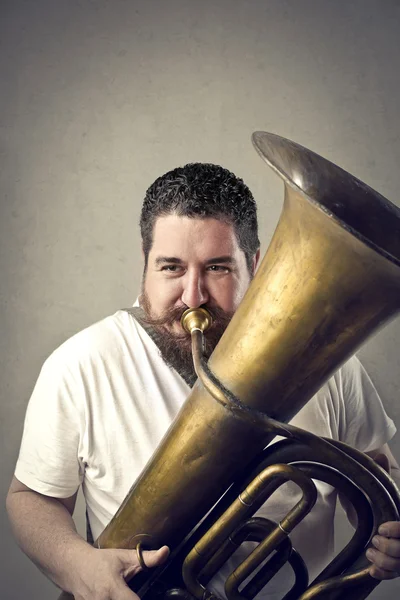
(330, 279)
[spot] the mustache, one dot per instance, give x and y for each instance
(174, 314)
(176, 347)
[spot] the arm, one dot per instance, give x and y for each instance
(385, 558)
(362, 419)
(45, 531)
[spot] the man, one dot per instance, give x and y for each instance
(105, 398)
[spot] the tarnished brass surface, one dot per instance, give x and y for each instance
(330, 279)
(235, 514)
(211, 386)
(346, 584)
(321, 289)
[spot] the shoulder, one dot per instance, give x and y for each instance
(111, 345)
(102, 339)
(347, 378)
(339, 401)
(344, 385)
(363, 422)
(354, 384)
(352, 389)
(83, 366)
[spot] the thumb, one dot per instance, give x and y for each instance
(153, 558)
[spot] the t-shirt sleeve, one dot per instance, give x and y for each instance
(49, 461)
(363, 423)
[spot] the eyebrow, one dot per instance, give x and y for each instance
(161, 260)
(227, 260)
(173, 260)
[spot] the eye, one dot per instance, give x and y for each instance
(171, 268)
(218, 269)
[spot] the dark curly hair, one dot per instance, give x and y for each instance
(202, 190)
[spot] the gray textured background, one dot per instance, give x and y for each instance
(98, 98)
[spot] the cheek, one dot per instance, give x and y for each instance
(240, 290)
(229, 295)
(161, 292)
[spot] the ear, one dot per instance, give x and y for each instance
(144, 262)
(256, 259)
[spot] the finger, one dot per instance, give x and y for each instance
(381, 574)
(390, 546)
(153, 558)
(390, 529)
(383, 561)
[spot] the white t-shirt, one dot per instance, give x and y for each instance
(105, 398)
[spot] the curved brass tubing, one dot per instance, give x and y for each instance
(196, 321)
(241, 509)
(204, 550)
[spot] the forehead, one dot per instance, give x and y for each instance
(174, 235)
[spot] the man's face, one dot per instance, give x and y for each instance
(194, 262)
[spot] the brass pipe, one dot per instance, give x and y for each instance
(240, 510)
(217, 534)
(196, 321)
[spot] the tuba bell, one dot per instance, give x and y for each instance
(329, 280)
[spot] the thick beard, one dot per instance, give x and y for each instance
(176, 348)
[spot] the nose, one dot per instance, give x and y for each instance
(194, 292)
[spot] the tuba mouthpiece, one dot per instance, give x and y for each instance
(196, 318)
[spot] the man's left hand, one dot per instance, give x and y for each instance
(385, 556)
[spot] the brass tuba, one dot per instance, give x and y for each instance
(330, 278)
